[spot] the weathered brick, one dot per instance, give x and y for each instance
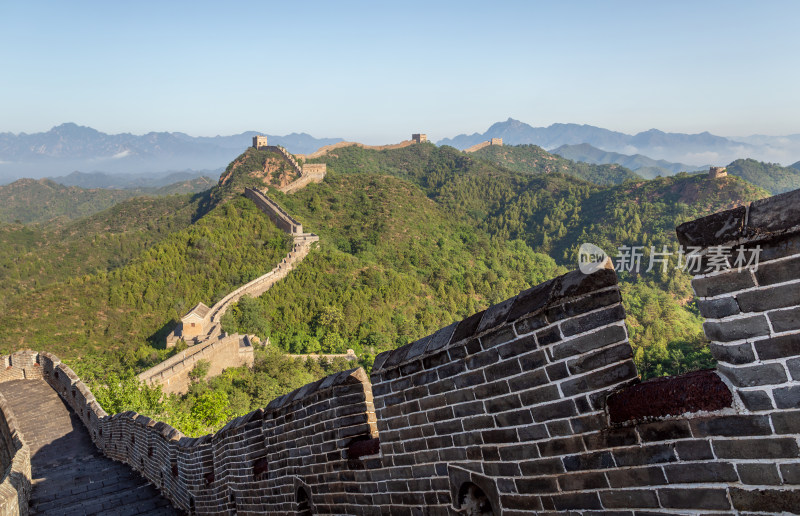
(629, 499)
(533, 360)
(469, 379)
(636, 477)
(643, 455)
(533, 433)
(765, 299)
(544, 466)
(733, 353)
(503, 404)
(586, 343)
(767, 448)
(540, 395)
(737, 425)
(575, 501)
(759, 474)
(548, 336)
(502, 370)
(787, 397)
(778, 347)
(723, 283)
(794, 368)
(587, 423)
(718, 308)
(593, 320)
(791, 473)
(497, 337)
(756, 400)
(694, 450)
(468, 409)
(736, 329)
(559, 428)
(597, 380)
(490, 390)
(753, 376)
(716, 229)
(601, 358)
(778, 272)
(515, 418)
(664, 430)
(561, 446)
(685, 498)
(765, 500)
(786, 422)
(557, 371)
(530, 324)
(700, 472)
(500, 435)
(611, 438)
(517, 347)
(555, 410)
(581, 481)
(785, 320)
(483, 359)
(536, 485)
(586, 461)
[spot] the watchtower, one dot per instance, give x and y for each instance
(496, 141)
(259, 142)
(419, 138)
(716, 172)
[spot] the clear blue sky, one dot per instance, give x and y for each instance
(376, 73)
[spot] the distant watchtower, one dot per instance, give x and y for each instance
(259, 141)
(419, 138)
(716, 172)
(496, 141)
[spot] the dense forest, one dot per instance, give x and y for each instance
(43, 200)
(770, 176)
(531, 159)
(411, 239)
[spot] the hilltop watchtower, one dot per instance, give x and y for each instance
(419, 138)
(496, 141)
(259, 142)
(717, 172)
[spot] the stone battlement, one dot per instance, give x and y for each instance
(533, 405)
(482, 145)
(715, 172)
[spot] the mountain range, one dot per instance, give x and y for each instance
(694, 149)
(70, 147)
(648, 168)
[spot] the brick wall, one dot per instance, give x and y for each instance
(257, 463)
(15, 460)
(281, 219)
(173, 374)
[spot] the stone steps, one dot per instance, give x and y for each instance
(69, 474)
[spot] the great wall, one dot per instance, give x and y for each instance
(531, 406)
(203, 325)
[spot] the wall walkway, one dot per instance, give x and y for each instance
(68, 474)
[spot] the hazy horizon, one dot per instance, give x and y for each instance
(375, 73)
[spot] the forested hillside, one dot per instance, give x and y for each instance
(129, 309)
(43, 200)
(36, 255)
(411, 240)
(770, 176)
(531, 159)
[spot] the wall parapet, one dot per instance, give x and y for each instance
(15, 459)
